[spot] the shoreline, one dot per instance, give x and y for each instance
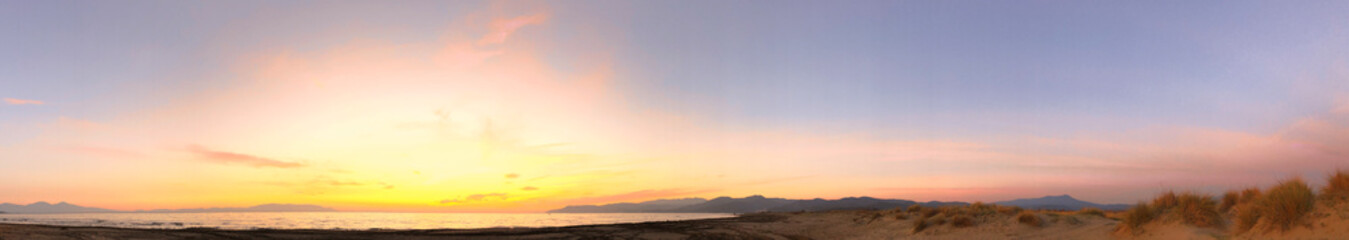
(654, 230)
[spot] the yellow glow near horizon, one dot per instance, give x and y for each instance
(484, 119)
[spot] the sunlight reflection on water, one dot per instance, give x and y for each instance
(344, 220)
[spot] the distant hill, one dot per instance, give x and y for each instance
(842, 204)
(44, 207)
(258, 208)
(663, 205)
(1062, 202)
(754, 203)
(758, 203)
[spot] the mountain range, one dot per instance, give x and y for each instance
(754, 203)
(63, 207)
(758, 203)
(1061, 202)
(44, 207)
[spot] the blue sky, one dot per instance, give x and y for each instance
(902, 91)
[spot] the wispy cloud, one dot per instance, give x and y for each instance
(512, 176)
(529, 188)
(15, 101)
(238, 158)
(503, 28)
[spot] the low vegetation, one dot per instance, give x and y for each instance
(1165, 201)
(929, 212)
(1229, 200)
(1247, 216)
(1198, 210)
(1091, 211)
(1029, 218)
(1281, 207)
(1286, 203)
(974, 214)
(1137, 216)
(1336, 190)
(919, 225)
(1009, 210)
(962, 221)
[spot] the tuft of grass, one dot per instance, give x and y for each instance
(1165, 201)
(919, 225)
(1250, 195)
(1247, 216)
(1091, 211)
(901, 216)
(915, 208)
(1137, 216)
(1009, 210)
(983, 209)
(952, 211)
(978, 205)
(1198, 210)
(1337, 188)
(1029, 218)
(962, 221)
(939, 221)
(929, 212)
(1229, 200)
(1286, 203)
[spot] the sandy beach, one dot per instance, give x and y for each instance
(964, 222)
(810, 225)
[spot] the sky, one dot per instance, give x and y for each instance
(526, 106)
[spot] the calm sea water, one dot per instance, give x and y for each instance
(344, 220)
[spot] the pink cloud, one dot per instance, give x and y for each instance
(13, 101)
(237, 158)
(500, 29)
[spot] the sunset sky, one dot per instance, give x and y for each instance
(523, 106)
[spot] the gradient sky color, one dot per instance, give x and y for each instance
(524, 106)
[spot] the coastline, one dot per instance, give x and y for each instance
(841, 224)
(719, 228)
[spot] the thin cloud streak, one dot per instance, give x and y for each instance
(15, 101)
(476, 198)
(503, 28)
(237, 158)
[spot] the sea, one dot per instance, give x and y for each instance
(343, 220)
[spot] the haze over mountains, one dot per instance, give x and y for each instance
(44, 207)
(758, 203)
(63, 207)
(1061, 202)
